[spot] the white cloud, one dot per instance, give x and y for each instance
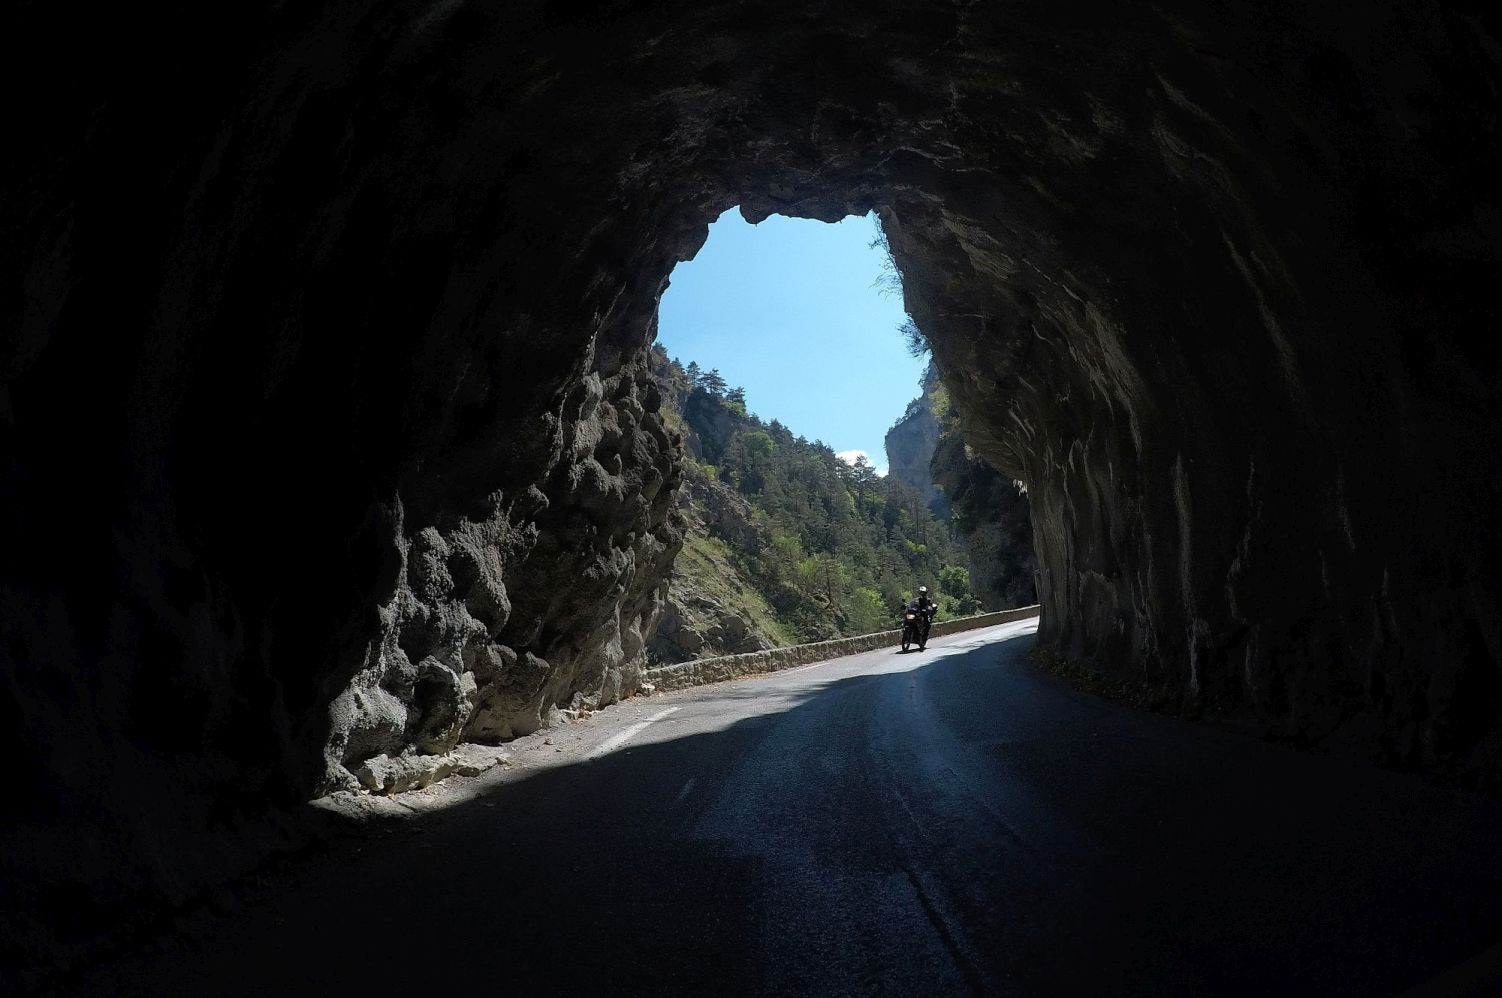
(849, 456)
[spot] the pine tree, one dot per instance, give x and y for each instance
(693, 372)
(864, 476)
(713, 383)
(736, 395)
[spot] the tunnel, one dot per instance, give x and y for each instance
(329, 432)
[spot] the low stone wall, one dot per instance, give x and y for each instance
(714, 670)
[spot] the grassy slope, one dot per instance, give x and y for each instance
(704, 568)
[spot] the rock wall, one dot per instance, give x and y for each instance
(1259, 486)
(696, 626)
(324, 343)
(710, 426)
(910, 444)
(540, 601)
(989, 512)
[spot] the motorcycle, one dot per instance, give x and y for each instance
(915, 624)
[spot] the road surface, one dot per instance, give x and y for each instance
(950, 822)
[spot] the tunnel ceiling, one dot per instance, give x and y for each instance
(329, 433)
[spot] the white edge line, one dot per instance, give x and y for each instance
(617, 740)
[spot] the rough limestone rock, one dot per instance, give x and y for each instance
(324, 358)
(990, 515)
(911, 441)
(694, 625)
(393, 775)
(573, 569)
(722, 512)
(710, 426)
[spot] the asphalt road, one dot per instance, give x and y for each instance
(949, 822)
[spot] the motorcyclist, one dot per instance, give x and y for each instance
(925, 606)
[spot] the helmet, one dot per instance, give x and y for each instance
(922, 590)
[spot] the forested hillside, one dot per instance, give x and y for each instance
(785, 541)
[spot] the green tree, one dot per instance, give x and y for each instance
(713, 382)
(957, 599)
(862, 476)
(867, 612)
(954, 580)
(758, 442)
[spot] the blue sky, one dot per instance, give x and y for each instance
(788, 310)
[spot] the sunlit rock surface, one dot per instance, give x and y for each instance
(325, 421)
(910, 443)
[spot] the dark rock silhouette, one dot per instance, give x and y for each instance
(989, 513)
(324, 373)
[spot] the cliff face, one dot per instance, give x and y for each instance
(709, 426)
(989, 512)
(910, 444)
(323, 379)
(497, 618)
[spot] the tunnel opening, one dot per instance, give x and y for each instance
(806, 316)
(789, 367)
(471, 653)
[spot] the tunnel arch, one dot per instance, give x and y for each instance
(360, 319)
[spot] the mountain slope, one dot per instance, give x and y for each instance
(784, 541)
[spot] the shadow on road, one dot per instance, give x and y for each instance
(1066, 844)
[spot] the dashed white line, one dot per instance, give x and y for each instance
(617, 740)
(684, 792)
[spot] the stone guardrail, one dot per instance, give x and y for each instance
(698, 672)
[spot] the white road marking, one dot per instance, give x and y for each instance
(684, 792)
(801, 668)
(617, 740)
